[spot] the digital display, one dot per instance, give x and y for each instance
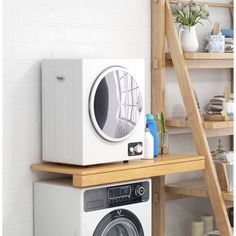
(119, 192)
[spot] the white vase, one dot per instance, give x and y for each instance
(188, 38)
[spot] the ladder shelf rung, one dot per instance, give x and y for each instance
(194, 188)
(212, 128)
(202, 60)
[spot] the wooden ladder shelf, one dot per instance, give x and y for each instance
(164, 27)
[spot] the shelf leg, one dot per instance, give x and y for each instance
(158, 206)
(158, 56)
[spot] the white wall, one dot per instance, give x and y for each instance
(37, 29)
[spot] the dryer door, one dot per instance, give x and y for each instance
(120, 222)
(115, 104)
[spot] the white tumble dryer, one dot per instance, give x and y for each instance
(92, 110)
(122, 209)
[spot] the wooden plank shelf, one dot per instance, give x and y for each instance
(202, 60)
(208, 56)
(182, 123)
(119, 172)
(211, 4)
(209, 132)
(212, 128)
(194, 188)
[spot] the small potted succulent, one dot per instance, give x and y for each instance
(188, 15)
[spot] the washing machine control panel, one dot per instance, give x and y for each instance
(102, 198)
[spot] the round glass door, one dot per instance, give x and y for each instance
(120, 227)
(119, 222)
(115, 104)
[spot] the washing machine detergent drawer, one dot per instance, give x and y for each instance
(92, 110)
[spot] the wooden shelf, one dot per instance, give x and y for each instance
(208, 56)
(177, 122)
(194, 188)
(212, 128)
(118, 172)
(218, 124)
(182, 123)
(202, 60)
(211, 4)
(164, 30)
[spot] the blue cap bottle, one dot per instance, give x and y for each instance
(153, 129)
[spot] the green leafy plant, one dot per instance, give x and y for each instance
(163, 134)
(160, 117)
(191, 13)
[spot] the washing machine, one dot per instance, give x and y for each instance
(122, 209)
(92, 110)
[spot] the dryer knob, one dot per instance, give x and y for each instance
(131, 149)
(140, 190)
(138, 148)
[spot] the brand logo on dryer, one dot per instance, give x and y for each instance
(119, 213)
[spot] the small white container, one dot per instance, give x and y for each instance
(149, 145)
(197, 228)
(229, 107)
(208, 223)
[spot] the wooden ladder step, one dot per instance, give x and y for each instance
(194, 188)
(182, 123)
(212, 128)
(211, 4)
(202, 60)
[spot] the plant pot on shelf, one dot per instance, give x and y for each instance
(188, 38)
(188, 15)
(164, 142)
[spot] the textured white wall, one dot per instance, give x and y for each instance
(37, 29)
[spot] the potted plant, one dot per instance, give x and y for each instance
(188, 16)
(164, 142)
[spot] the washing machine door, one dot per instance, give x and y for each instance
(119, 222)
(115, 104)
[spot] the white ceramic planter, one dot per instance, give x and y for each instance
(188, 38)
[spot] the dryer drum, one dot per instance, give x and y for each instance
(115, 104)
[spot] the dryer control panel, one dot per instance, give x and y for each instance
(135, 149)
(120, 195)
